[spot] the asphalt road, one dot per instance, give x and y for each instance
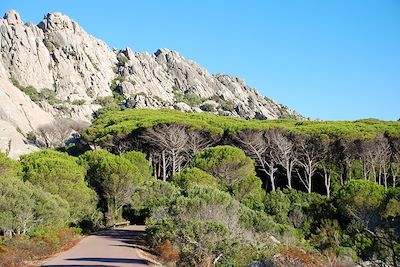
(108, 248)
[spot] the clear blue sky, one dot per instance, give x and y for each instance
(326, 59)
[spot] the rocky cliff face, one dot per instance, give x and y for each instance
(57, 69)
(19, 115)
(167, 79)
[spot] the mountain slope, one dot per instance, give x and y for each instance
(68, 73)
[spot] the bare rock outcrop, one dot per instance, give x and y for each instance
(19, 110)
(59, 70)
(12, 142)
(169, 76)
(56, 54)
(18, 117)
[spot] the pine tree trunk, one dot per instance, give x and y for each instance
(164, 165)
(272, 177)
(289, 175)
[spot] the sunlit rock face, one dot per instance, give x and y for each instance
(57, 57)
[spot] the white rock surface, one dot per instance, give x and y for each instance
(18, 116)
(12, 142)
(56, 54)
(165, 74)
(18, 110)
(183, 107)
(59, 55)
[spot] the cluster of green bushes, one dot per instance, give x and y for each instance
(212, 208)
(189, 98)
(37, 244)
(128, 121)
(40, 197)
(210, 213)
(48, 191)
(343, 155)
(44, 95)
(194, 100)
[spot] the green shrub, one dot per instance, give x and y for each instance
(8, 166)
(207, 107)
(114, 178)
(189, 98)
(140, 161)
(49, 96)
(192, 176)
(58, 173)
(226, 163)
(78, 102)
(227, 105)
(153, 194)
(122, 58)
(207, 223)
(249, 191)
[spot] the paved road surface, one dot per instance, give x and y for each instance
(108, 248)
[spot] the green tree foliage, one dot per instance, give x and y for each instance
(16, 205)
(24, 206)
(392, 204)
(209, 227)
(123, 123)
(8, 166)
(228, 164)
(361, 201)
(192, 176)
(140, 161)
(293, 207)
(60, 174)
(235, 173)
(114, 178)
(372, 220)
(249, 191)
(153, 194)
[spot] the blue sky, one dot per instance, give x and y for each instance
(334, 60)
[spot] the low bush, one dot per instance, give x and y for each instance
(36, 245)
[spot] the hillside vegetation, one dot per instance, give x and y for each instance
(217, 191)
(122, 123)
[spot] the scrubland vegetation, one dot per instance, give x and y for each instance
(215, 191)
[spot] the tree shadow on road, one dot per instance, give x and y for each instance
(131, 238)
(111, 260)
(76, 265)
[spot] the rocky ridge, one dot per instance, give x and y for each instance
(68, 73)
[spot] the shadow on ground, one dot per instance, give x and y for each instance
(110, 260)
(131, 238)
(77, 265)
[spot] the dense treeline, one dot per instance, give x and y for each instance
(288, 153)
(47, 192)
(341, 160)
(219, 191)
